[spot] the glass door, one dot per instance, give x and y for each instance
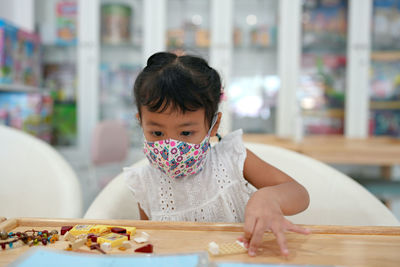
(188, 27)
(121, 32)
(253, 89)
(385, 69)
(323, 66)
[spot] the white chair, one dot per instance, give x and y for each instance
(36, 181)
(335, 199)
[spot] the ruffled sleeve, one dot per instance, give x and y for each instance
(134, 180)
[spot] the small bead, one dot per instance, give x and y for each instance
(54, 232)
(10, 244)
(3, 235)
(44, 242)
(35, 242)
(10, 234)
(3, 246)
(39, 233)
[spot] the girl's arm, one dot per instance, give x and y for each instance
(278, 195)
(143, 215)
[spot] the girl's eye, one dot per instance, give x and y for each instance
(186, 133)
(157, 133)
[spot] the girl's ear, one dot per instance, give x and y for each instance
(216, 126)
(138, 118)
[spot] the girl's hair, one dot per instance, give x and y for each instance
(186, 83)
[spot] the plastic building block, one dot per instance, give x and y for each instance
(145, 249)
(65, 229)
(126, 244)
(69, 237)
(92, 237)
(81, 229)
(144, 237)
(106, 246)
(77, 244)
(236, 247)
(118, 230)
(97, 247)
(114, 239)
(99, 229)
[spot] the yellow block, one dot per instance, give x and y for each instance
(80, 229)
(99, 229)
(114, 239)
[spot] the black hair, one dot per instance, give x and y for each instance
(186, 83)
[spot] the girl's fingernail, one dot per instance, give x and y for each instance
(286, 251)
(252, 253)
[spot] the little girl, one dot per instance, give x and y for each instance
(188, 180)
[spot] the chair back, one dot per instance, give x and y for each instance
(36, 180)
(110, 143)
(335, 199)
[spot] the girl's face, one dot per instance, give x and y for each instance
(189, 127)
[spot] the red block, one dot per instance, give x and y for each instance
(118, 230)
(65, 229)
(145, 249)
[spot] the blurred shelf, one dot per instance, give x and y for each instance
(386, 56)
(53, 53)
(20, 88)
(122, 47)
(259, 49)
(332, 113)
(382, 105)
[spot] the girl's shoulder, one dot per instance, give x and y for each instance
(139, 175)
(231, 143)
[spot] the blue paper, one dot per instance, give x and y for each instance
(44, 257)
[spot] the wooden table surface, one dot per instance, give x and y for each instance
(327, 245)
(383, 151)
(337, 149)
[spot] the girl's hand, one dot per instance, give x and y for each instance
(264, 213)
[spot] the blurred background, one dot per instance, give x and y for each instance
(293, 70)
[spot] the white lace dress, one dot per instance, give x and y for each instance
(219, 193)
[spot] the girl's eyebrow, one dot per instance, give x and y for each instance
(153, 123)
(187, 124)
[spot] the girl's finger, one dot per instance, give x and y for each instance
(256, 238)
(298, 229)
(248, 228)
(281, 240)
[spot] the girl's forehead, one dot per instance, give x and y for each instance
(173, 116)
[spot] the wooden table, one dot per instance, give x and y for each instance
(327, 245)
(334, 149)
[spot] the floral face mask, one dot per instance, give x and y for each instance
(176, 158)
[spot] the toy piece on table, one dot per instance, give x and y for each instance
(65, 229)
(81, 229)
(145, 249)
(97, 247)
(144, 237)
(114, 239)
(103, 229)
(92, 237)
(76, 244)
(236, 247)
(69, 237)
(106, 246)
(118, 230)
(99, 230)
(126, 244)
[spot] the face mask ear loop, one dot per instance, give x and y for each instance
(214, 121)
